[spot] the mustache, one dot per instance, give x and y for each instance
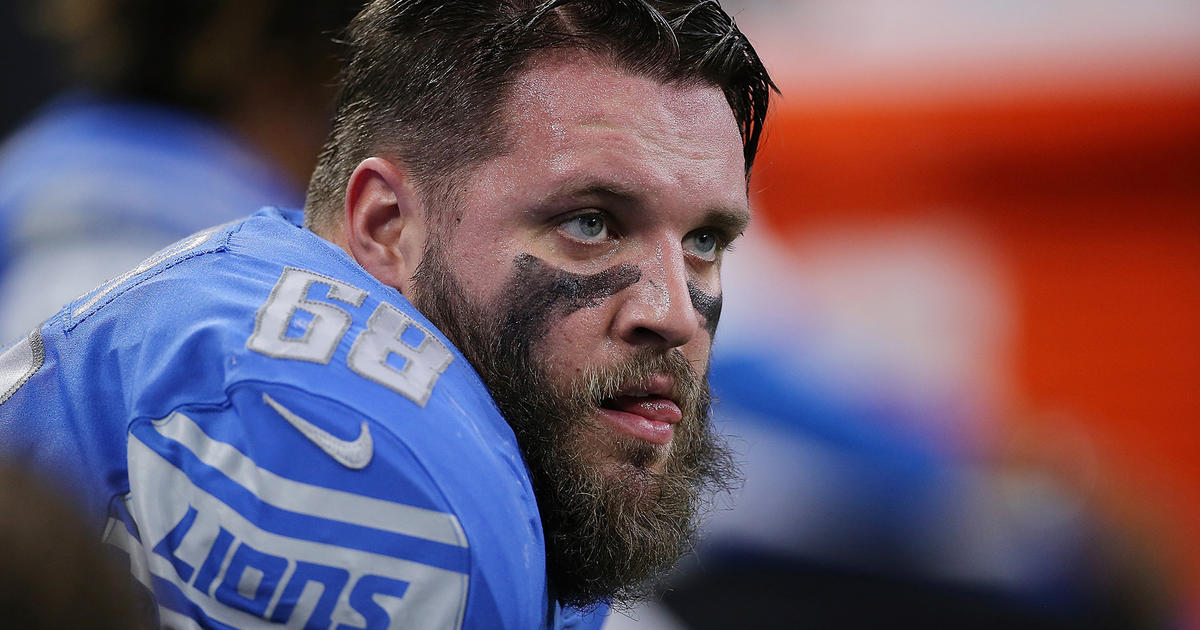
(610, 532)
(596, 384)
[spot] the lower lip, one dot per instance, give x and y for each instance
(642, 428)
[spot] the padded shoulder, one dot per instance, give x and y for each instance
(285, 488)
(260, 492)
(299, 442)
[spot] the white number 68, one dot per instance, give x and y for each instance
(368, 357)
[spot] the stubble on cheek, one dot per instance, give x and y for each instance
(539, 295)
(613, 521)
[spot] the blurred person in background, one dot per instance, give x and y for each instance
(54, 572)
(185, 114)
(467, 386)
(26, 60)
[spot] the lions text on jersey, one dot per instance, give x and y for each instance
(275, 437)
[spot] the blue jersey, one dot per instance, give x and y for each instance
(275, 437)
(111, 182)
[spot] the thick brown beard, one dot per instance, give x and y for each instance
(612, 530)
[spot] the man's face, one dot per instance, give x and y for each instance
(629, 183)
(579, 272)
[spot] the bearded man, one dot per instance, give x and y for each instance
(470, 391)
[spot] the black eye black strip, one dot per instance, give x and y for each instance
(539, 294)
(709, 307)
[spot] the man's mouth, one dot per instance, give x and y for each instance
(647, 411)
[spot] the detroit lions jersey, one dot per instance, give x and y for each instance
(275, 437)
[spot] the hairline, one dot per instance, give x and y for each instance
(448, 179)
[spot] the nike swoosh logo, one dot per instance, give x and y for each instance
(355, 454)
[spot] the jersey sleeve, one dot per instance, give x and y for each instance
(287, 508)
(295, 445)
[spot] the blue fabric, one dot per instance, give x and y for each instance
(87, 165)
(152, 402)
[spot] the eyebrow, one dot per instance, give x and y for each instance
(732, 220)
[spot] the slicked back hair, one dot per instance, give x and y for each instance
(426, 81)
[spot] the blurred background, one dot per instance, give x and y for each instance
(136, 122)
(961, 341)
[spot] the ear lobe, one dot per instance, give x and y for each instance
(385, 227)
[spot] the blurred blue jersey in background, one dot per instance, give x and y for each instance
(92, 186)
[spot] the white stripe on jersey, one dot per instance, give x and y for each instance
(172, 620)
(116, 535)
(307, 499)
(162, 495)
(191, 242)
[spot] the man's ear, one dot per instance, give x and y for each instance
(385, 222)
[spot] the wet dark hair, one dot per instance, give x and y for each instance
(426, 80)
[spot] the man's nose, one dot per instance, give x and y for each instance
(657, 310)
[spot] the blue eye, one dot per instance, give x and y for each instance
(704, 244)
(587, 227)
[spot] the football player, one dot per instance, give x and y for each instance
(469, 390)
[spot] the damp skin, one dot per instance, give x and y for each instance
(540, 294)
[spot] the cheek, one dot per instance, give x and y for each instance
(698, 351)
(480, 264)
(577, 341)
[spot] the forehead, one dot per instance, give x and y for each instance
(577, 114)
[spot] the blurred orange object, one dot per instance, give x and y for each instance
(1090, 193)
